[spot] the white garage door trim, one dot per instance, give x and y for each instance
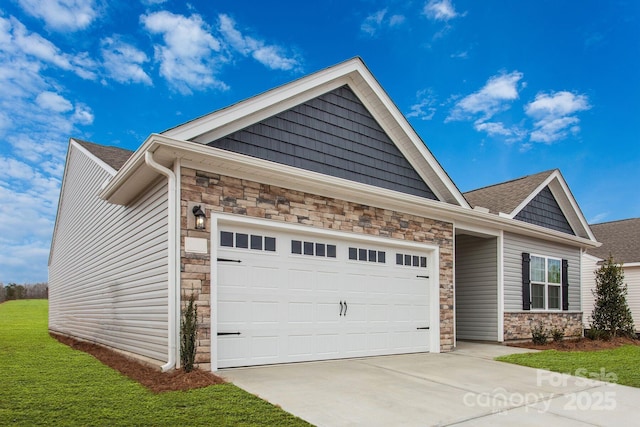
(220, 220)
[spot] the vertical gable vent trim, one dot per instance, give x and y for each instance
(333, 134)
(545, 211)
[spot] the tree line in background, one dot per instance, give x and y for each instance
(27, 291)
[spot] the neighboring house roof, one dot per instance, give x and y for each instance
(543, 199)
(113, 156)
(506, 196)
(621, 239)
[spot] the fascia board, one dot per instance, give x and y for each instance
(264, 101)
(133, 164)
(241, 166)
(196, 155)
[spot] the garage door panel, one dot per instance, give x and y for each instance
(265, 312)
(328, 312)
(301, 280)
(265, 347)
(301, 345)
(301, 312)
(266, 277)
(287, 306)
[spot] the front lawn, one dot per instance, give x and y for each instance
(43, 382)
(620, 365)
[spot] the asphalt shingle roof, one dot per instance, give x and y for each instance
(621, 239)
(113, 156)
(506, 196)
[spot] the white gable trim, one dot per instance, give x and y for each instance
(566, 201)
(359, 79)
(73, 144)
(93, 157)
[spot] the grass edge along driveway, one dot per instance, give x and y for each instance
(619, 365)
(43, 382)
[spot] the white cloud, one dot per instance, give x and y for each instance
(36, 121)
(54, 102)
(493, 128)
(269, 55)
(556, 104)
(19, 39)
(62, 15)
(375, 22)
(425, 108)
(460, 55)
(82, 115)
(440, 10)
(123, 62)
(13, 168)
(495, 96)
(153, 2)
(554, 115)
(190, 55)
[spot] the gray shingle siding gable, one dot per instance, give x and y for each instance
(544, 210)
(333, 134)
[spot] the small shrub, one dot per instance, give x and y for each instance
(558, 334)
(188, 331)
(539, 334)
(597, 334)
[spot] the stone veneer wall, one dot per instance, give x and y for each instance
(517, 326)
(218, 193)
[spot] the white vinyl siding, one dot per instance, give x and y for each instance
(476, 288)
(589, 266)
(631, 278)
(514, 246)
(108, 267)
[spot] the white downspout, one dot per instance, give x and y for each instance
(172, 239)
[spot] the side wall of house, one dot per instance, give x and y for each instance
(632, 279)
(589, 266)
(219, 193)
(108, 267)
(518, 322)
(476, 288)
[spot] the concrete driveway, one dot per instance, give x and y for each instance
(465, 387)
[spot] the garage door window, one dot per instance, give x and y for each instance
(247, 241)
(369, 255)
(299, 247)
(411, 260)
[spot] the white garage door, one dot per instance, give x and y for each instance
(290, 297)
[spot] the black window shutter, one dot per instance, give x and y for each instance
(565, 284)
(526, 282)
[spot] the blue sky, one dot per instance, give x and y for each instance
(496, 89)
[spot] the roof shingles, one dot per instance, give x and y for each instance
(506, 196)
(621, 239)
(113, 156)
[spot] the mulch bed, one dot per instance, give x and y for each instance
(149, 376)
(580, 344)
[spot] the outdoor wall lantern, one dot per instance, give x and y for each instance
(200, 217)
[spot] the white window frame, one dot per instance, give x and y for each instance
(546, 283)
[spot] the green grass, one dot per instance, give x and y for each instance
(620, 365)
(43, 382)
